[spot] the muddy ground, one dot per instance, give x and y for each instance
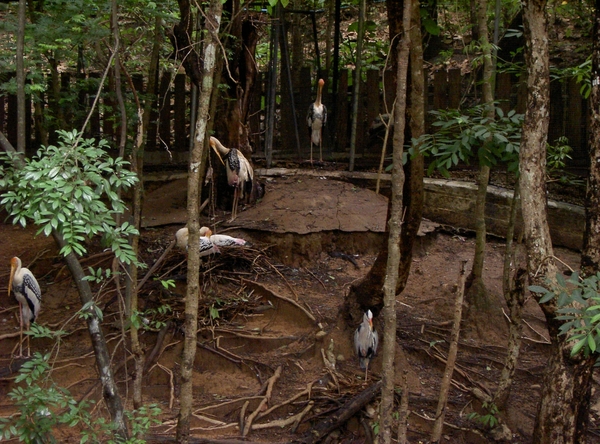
(279, 304)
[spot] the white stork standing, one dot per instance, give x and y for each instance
(366, 341)
(206, 246)
(27, 291)
(240, 174)
(222, 240)
(316, 119)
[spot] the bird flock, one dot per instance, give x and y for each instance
(240, 176)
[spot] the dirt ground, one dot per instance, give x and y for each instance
(279, 306)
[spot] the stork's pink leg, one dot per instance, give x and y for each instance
(235, 204)
(321, 148)
(21, 330)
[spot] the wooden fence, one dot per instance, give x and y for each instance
(168, 133)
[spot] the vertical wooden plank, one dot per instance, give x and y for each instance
(557, 111)
(108, 110)
(522, 96)
(255, 111)
(2, 113)
(372, 106)
(454, 88)
(164, 112)
(574, 115)
(67, 103)
(440, 89)
(179, 111)
(11, 120)
(306, 95)
(503, 88)
(287, 125)
(93, 83)
(152, 130)
(29, 145)
(389, 91)
(340, 126)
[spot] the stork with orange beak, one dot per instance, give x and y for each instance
(316, 119)
(27, 291)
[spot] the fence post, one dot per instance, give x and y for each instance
(164, 112)
(454, 88)
(340, 124)
(179, 108)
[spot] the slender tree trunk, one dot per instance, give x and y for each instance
(368, 292)
(477, 294)
(515, 300)
(330, 19)
(21, 115)
(440, 413)
(110, 390)
(414, 193)
(560, 398)
(514, 295)
(213, 21)
(357, 81)
(395, 227)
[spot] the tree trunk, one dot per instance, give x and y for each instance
(566, 380)
(414, 193)
(21, 115)
(515, 299)
(213, 21)
(514, 295)
(476, 295)
(357, 81)
(395, 225)
(110, 391)
(368, 292)
(440, 412)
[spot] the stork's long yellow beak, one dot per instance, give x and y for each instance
(212, 144)
(10, 279)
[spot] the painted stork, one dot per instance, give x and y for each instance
(206, 246)
(316, 119)
(222, 240)
(27, 291)
(366, 341)
(240, 174)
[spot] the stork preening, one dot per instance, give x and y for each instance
(316, 119)
(206, 246)
(366, 341)
(240, 174)
(222, 240)
(27, 291)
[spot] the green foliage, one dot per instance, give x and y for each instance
(42, 406)
(578, 302)
(557, 154)
(462, 135)
(489, 419)
(151, 319)
(140, 421)
(72, 188)
(581, 73)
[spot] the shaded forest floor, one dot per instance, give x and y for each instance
(273, 316)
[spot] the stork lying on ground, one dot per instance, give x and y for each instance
(366, 341)
(27, 291)
(316, 119)
(206, 246)
(222, 240)
(240, 174)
